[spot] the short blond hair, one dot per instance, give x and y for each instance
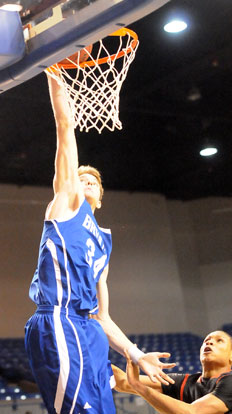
(87, 169)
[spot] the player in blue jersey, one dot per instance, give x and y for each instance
(209, 392)
(68, 337)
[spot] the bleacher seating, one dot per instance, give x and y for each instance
(227, 328)
(14, 365)
(184, 349)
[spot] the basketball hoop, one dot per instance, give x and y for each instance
(93, 88)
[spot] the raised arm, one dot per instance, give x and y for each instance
(164, 404)
(68, 193)
(150, 362)
(122, 384)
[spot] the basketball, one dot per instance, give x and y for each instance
(78, 57)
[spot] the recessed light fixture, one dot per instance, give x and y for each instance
(12, 7)
(207, 152)
(194, 94)
(175, 26)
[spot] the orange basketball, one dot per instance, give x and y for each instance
(80, 56)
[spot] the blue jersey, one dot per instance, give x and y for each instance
(72, 255)
(68, 351)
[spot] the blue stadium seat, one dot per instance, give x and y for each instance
(227, 328)
(184, 349)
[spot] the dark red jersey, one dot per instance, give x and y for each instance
(191, 387)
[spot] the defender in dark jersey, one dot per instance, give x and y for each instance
(67, 339)
(209, 392)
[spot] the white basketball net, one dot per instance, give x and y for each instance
(93, 90)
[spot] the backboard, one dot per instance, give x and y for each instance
(52, 30)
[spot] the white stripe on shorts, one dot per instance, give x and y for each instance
(64, 360)
(62, 347)
(59, 332)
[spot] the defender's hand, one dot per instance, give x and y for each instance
(120, 378)
(132, 371)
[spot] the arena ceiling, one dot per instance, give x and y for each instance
(177, 95)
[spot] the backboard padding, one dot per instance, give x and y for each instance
(76, 28)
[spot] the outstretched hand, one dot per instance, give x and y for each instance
(120, 378)
(152, 366)
(132, 371)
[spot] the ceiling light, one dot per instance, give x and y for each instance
(194, 94)
(12, 7)
(175, 26)
(208, 151)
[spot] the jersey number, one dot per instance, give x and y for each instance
(97, 264)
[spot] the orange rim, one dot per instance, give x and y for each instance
(121, 32)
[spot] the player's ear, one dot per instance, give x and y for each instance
(230, 360)
(98, 204)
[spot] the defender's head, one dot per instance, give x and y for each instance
(217, 349)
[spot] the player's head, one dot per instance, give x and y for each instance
(217, 349)
(91, 179)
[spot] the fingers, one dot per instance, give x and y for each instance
(154, 372)
(163, 354)
(128, 360)
(127, 356)
(162, 378)
(165, 365)
(130, 363)
(168, 365)
(158, 377)
(166, 379)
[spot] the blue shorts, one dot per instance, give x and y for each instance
(68, 355)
